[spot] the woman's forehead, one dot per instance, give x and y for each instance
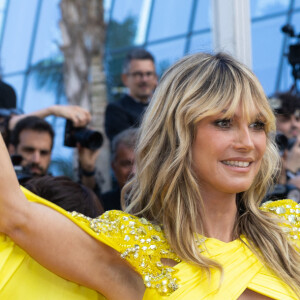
(240, 108)
(239, 113)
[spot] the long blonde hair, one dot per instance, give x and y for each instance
(165, 189)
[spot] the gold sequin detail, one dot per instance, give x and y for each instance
(141, 243)
(288, 210)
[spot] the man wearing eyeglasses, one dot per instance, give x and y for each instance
(139, 76)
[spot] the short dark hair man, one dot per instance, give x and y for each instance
(32, 138)
(139, 76)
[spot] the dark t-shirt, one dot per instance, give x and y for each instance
(111, 199)
(122, 115)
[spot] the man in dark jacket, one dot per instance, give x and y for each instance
(139, 76)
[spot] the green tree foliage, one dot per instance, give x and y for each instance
(48, 75)
(120, 35)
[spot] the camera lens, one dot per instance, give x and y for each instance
(85, 137)
(89, 138)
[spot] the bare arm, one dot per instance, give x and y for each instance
(60, 245)
(78, 115)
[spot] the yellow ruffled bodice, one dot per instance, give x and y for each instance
(143, 245)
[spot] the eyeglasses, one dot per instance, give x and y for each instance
(140, 75)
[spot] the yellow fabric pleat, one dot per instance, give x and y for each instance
(21, 277)
(242, 270)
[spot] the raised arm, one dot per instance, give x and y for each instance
(60, 245)
(78, 115)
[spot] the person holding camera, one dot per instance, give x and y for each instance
(32, 141)
(287, 111)
(32, 137)
(88, 143)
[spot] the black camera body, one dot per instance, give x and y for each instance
(294, 52)
(85, 137)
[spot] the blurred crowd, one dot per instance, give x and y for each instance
(29, 139)
(287, 111)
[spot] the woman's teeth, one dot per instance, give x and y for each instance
(241, 164)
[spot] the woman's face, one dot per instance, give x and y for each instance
(227, 153)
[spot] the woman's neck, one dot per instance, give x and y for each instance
(220, 216)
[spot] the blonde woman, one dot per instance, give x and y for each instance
(193, 229)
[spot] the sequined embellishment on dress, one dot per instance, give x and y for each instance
(141, 243)
(288, 210)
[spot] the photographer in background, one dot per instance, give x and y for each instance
(287, 110)
(30, 147)
(88, 143)
(32, 137)
(9, 117)
(32, 140)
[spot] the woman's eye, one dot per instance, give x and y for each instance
(224, 123)
(258, 125)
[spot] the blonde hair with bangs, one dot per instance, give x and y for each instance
(165, 189)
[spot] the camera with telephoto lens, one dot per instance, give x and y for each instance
(85, 137)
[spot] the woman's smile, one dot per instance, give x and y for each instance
(236, 163)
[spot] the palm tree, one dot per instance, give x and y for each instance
(83, 37)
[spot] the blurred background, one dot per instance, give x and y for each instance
(44, 41)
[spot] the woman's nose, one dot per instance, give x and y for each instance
(243, 139)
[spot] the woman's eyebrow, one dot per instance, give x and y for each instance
(260, 116)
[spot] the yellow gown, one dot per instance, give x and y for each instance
(143, 245)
